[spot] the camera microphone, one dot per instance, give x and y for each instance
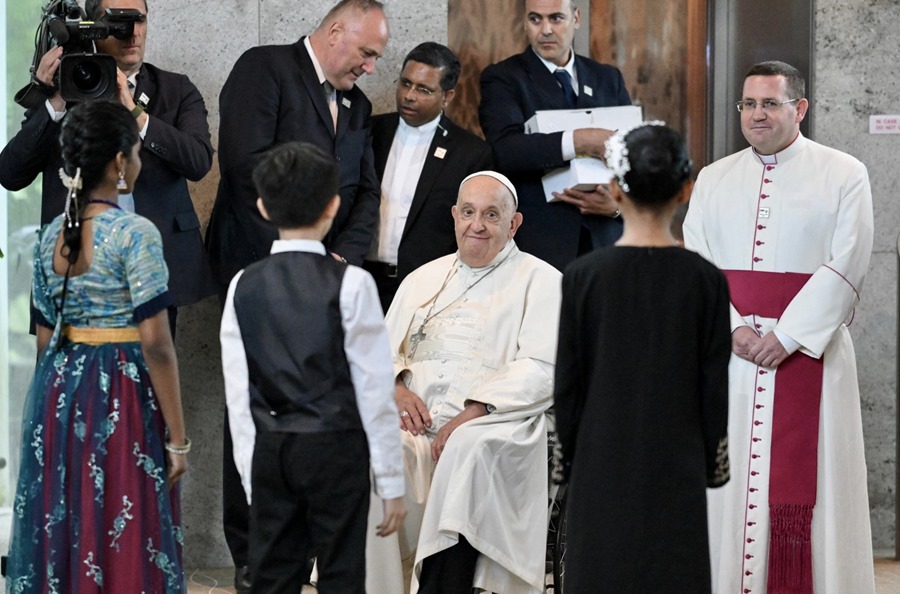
(58, 30)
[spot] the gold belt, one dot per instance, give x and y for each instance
(97, 336)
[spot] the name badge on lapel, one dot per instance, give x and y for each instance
(345, 102)
(588, 91)
(440, 152)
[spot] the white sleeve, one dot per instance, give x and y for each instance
(54, 115)
(568, 145)
(368, 354)
(237, 389)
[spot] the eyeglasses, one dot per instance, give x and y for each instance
(416, 89)
(768, 105)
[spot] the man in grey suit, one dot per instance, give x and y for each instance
(305, 91)
(549, 75)
(421, 157)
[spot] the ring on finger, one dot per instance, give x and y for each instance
(403, 413)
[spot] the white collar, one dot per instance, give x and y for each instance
(426, 128)
(315, 60)
(297, 245)
(569, 66)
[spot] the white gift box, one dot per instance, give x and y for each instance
(582, 173)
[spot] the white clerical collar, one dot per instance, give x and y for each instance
(498, 259)
(426, 128)
(315, 60)
(297, 245)
(789, 152)
(569, 67)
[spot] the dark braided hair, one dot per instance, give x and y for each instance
(93, 133)
(660, 164)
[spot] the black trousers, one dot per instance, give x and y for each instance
(451, 571)
(310, 498)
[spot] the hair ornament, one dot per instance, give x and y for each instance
(74, 184)
(617, 152)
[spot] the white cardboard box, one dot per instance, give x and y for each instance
(559, 120)
(582, 173)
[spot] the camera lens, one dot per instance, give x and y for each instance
(87, 76)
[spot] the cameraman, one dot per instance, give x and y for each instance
(176, 147)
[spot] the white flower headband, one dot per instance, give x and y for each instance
(617, 152)
(74, 184)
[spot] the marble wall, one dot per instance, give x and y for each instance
(857, 73)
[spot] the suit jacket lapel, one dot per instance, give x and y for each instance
(313, 87)
(543, 81)
(585, 99)
(144, 83)
(431, 169)
(381, 142)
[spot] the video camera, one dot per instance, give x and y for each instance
(83, 73)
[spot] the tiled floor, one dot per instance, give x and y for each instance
(219, 581)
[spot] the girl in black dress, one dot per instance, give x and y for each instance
(642, 386)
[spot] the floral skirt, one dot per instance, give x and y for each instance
(92, 512)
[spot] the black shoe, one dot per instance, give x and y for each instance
(242, 583)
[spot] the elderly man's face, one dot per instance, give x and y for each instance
(129, 53)
(355, 41)
(550, 26)
(770, 131)
(485, 220)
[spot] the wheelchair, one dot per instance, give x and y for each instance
(556, 528)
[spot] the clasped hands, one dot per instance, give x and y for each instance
(415, 418)
(765, 351)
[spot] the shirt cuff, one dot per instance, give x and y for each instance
(568, 145)
(143, 131)
(789, 344)
(390, 486)
(54, 115)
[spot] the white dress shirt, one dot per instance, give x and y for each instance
(398, 186)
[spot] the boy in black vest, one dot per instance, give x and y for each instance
(309, 386)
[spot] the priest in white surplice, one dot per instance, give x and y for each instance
(474, 341)
(790, 223)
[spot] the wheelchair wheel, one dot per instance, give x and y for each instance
(559, 546)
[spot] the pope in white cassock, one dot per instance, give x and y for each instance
(790, 223)
(474, 343)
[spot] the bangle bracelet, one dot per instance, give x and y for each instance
(137, 111)
(179, 450)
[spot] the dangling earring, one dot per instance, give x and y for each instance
(121, 185)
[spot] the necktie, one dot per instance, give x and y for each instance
(565, 81)
(331, 98)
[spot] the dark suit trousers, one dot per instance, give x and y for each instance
(310, 498)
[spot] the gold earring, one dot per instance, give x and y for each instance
(121, 185)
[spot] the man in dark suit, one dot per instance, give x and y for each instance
(282, 93)
(549, 75)
(306, 92)
(176, 147)
(421, 157)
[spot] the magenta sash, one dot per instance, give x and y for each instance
(795, 434)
